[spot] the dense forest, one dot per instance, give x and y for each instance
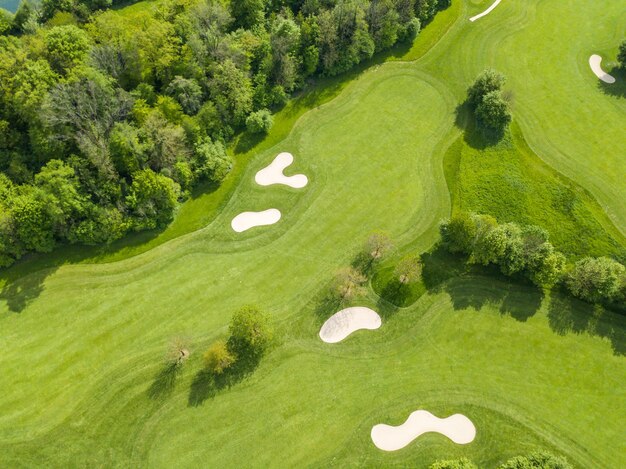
(107, 120)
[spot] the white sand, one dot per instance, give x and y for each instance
(273, 174)
(457, 427)
(343, 323)
(246, 220)
(595, 62)
(486, 12)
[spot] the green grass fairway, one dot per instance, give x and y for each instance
(83, 339)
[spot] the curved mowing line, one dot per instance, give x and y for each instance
(486, 12)
(595, 62)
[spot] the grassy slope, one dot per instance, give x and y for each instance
(82, 353)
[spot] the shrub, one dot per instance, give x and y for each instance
(218, 357)
(537, 460)
(462, 463)
(250, 332)
(621, 56)
(458, 233)
(596, 279)
(259, 122)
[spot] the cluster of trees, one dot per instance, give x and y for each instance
(108, 121)
(535, 460)
(486, 99)
(349, 282)
(526, 250)
(250, 337)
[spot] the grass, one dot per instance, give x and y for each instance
(83, 343)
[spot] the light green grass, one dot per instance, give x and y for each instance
(83, 343)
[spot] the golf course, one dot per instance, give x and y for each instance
(389, 147)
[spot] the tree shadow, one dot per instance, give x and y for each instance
(364, 263)
(164, 381)
(439, 266)
(477, 137)
(20, 290)
(247, 141)
(617, 89)
(569, 315)
(207, 384)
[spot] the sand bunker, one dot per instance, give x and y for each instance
(246, 220)
(595, 62)
(457, 427)
(486, 12)
(343, 323)
(273, 174)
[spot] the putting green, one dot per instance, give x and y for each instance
(83, 344)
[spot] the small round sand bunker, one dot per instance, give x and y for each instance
(343, 323)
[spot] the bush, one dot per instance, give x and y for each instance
(462, 463)
(537, 460)
(621, 56)
(597, 279)
(218, 357)
(250, 332)
(259, 122)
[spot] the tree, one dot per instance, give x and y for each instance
(250, 332)
(487, 82)
(163, 143)
(66, 47)
(247, 13)
(177, 352)
(384, 23)
(32, 219)
(378, 244)
(348, 283)
(596, 279)
(621, 56)
(259, 122)
(494, 112)
(218, 357)
(462, 463)
(231, 91)
(210, 160)
(23, 13)
(152, 199)
(409, 269)
(459, 233)
(537, 460)
(187, 92)
(547, 266)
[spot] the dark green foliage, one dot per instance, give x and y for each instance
(488, 81)
(152, 199)
(621, 56)
(537, 460)
(462, 463)
(515, 249)
(486, 100)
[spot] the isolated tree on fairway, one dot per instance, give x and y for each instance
(218, 357)
(379, 244)
(621, 56)
(494, 112)
(177, 352)
(596, 279)
(409, 270)
(487, 82)
(348, 283)
(250, 332)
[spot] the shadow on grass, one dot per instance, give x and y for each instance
(20, 290)
(617, 89)
(475, 136)
(567, 315)
(207, 384)
(164, 381)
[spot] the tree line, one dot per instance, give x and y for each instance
(526, 250)
(535, 460)
(108, 120)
